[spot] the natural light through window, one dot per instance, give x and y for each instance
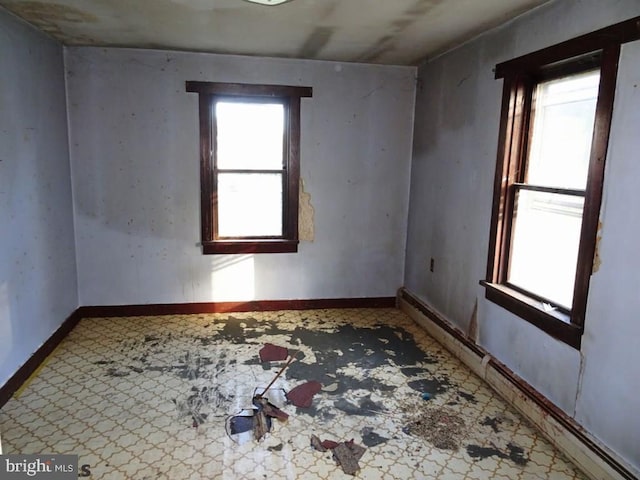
(233, 278)
(549, 203)
(250, 142)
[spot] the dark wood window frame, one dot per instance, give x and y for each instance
(599, 49)
(289, 96)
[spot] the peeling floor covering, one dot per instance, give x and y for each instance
(151, 397)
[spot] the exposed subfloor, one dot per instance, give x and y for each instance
(153, 397)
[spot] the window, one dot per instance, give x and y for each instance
(249, 166)
(549, 189)
(554, 129)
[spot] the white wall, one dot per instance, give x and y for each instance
(454, 156)
(37, 259)
(134, 156)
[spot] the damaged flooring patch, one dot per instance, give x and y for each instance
(441, 427)
(170, 396)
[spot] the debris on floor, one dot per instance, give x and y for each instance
(302, 395)
(322, 446)
(261, 424)
(316, 444)
(259, 420)
(329, 444)
(240, 424)
(263, 410)
(270, 410)
(374, 366)
(284, 367)
(273, 353)
(346, 454)
(442, 428)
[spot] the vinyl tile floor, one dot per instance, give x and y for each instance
(155, 398)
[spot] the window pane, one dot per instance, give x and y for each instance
(250, 135)
(562, 130)
(249, 205)
(544, 246)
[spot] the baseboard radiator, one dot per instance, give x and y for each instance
(584, 450)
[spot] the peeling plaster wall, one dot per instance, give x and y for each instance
(454, 155)
(135, 168)
(305, 216)
(37, 257)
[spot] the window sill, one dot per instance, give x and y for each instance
(555, 323)
(227, 247)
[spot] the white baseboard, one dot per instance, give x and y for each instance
(589, 454)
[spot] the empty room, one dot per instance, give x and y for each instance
(319, 239)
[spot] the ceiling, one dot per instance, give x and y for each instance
(396, 32)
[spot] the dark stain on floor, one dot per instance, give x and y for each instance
(366, 348)
(468, 396)
(335, 350)
(371, 438)
(206, 341)
(413, 371)
(433, 386)
(349, 346)
(492, 422)
(203, 398)
(238, 331)
(313, 411)
(513, 453)
(365, 407)
(190, 366)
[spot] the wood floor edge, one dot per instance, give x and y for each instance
(577, 444)
(31, 365)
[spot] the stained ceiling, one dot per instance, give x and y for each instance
(397, 32)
